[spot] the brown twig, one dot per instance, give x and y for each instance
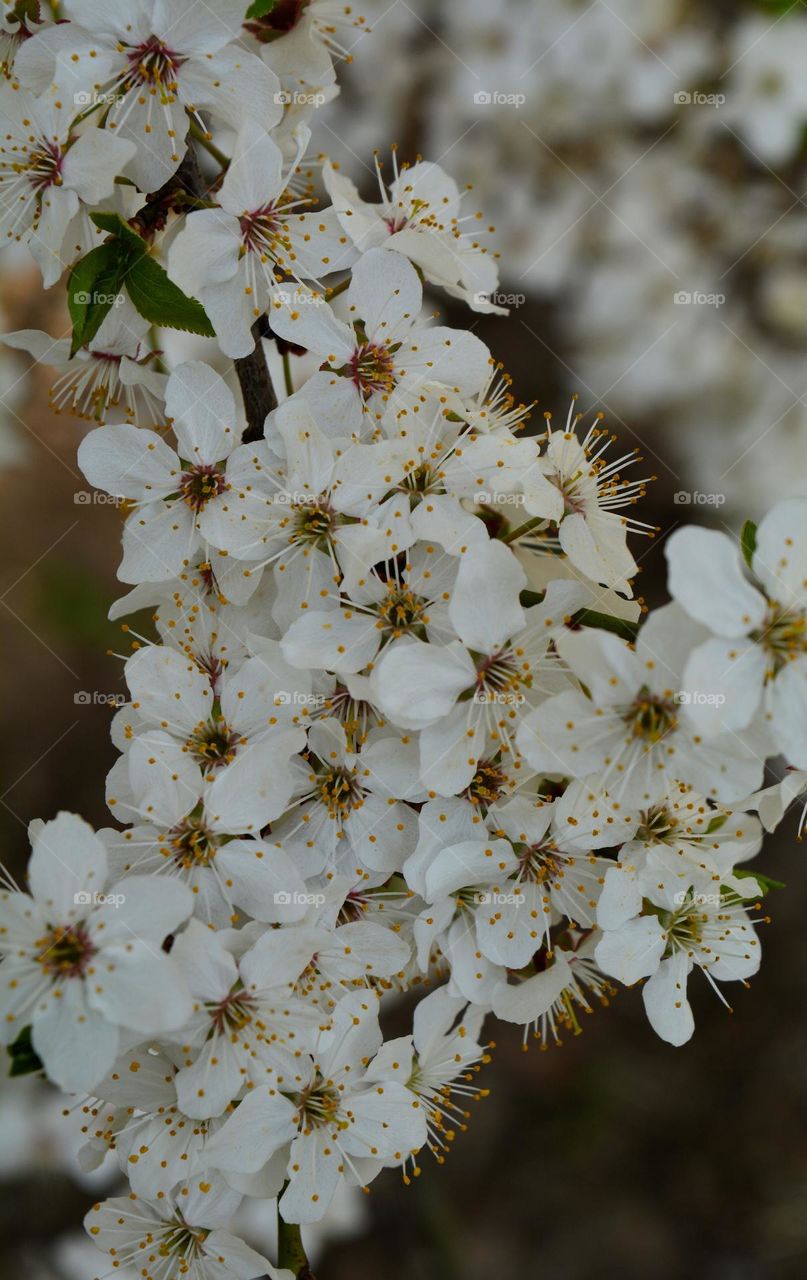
(256, 385)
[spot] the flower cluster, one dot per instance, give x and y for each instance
(668, 112)
(398, 727)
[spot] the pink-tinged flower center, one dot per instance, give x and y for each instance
(152, 64)
(262, 230)
(199, 484)
(66, 952)
(540, 863)
(372, 368)
(43, 168)
(500, 675)
(232, 1013)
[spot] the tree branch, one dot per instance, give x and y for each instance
(256, 385)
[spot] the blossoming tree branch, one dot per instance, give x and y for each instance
(399, 726)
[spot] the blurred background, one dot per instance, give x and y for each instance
(644, 163)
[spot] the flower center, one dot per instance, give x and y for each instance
(783, 637)
(658, 826)
(66, 952)
(487, 785)
(313, 522)
(213, 743)
(401, 611)
(339, 791)
(684, 927)
(233, 1013)
(372, 368)
(649, 717)
(198, 484)
(320, 1104)
(498, 674)
(192, 844)
(262, 231)
(540, 863)
(354, 908)
(179, 1238)
(151, 63)
(43, 168)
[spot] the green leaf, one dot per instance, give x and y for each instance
(94, 284)
(24, 1057)
(161, 302)
(115, 225)
(529, 598)
(765, 882)
(261, 8)
(748, 541)
(604, 622)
